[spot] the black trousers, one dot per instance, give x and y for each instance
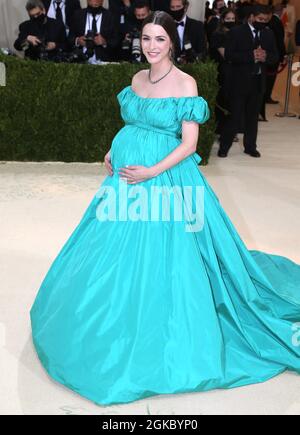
(270, 80)
(247, 104)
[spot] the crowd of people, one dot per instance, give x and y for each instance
(245, 38)
(60, 30)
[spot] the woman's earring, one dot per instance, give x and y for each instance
(171, 53)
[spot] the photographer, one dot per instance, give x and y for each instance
(191, 41)
(62, 10)
(95, 31)
(40, 37)
(130, 49)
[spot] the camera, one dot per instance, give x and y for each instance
(136, 50)
(132, 44)
(189, 55)
(89, 40)
(90, 44)
(41, 49)
(6, 51)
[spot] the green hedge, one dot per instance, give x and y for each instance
(69, 112)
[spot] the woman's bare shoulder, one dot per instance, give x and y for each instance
(139, 77)
(188, 85)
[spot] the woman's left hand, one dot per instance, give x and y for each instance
(135, 174)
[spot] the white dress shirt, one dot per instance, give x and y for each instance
(52, 10)
(180, 30)
(89, 26)
(254, 35)
(254, 31)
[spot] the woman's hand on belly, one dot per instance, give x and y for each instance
(136, 174)
(107, 162)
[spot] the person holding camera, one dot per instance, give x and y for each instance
(40, 37)
(191, 41)
(95, 31)
(130, 48)
(62, 10)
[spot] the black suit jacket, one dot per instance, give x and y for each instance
(52, 31)
(194, 32)
(239, 49)
(71, 7)
(277, 27)
(109, 30)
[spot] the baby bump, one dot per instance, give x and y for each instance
(134, 145)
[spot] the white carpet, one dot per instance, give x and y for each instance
(41, 203)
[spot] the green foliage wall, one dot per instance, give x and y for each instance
(69, 112)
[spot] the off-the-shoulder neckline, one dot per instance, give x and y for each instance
(159, 98)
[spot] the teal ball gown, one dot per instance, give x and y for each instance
(136, 308)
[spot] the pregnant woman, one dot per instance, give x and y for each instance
(139, 303)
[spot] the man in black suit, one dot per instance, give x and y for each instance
(130, 48)
(40, 36)
(249, 49)
(191, 42)
(62, 10)
(96, 31)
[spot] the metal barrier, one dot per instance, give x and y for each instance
(286, 113)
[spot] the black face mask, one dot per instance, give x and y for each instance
(177, 15)
(229, 24)
(95, 10)
(38, 20)
(259, 26)
(138, 23)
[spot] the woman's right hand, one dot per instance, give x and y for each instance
(107, 162)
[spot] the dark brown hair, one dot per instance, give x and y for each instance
(167, 22)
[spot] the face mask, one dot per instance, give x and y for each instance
(139, 22)
(259, 26)
(95, 10)
(39, 20)
(177, 15)
(229, 24)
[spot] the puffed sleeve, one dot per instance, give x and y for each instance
(121, 96)
(193, 109)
